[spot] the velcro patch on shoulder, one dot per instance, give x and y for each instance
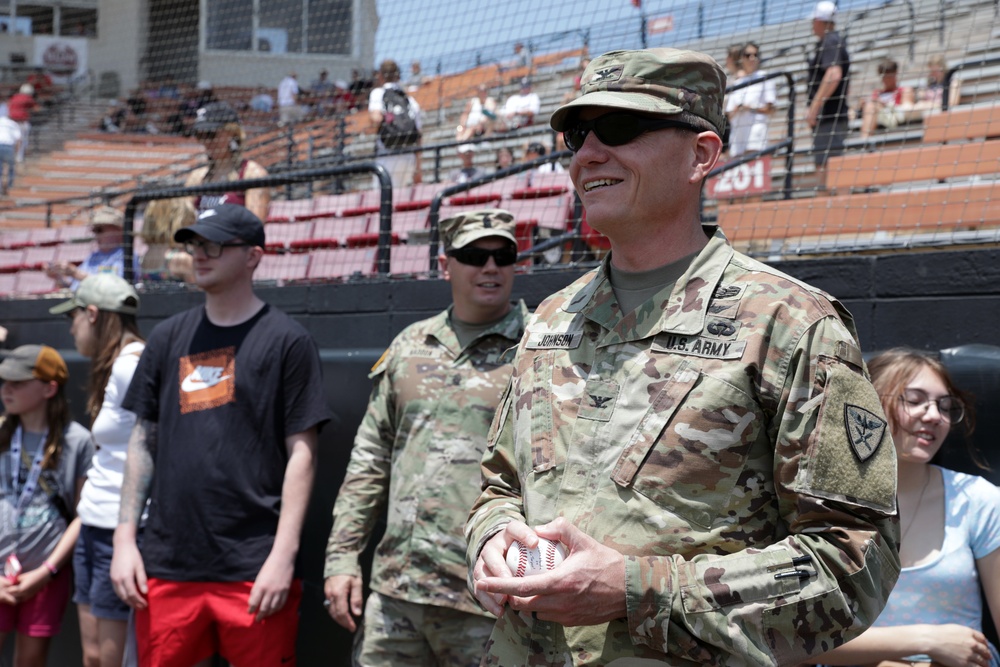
(379, 365)
(851, 457)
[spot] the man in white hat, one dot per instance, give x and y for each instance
(829, 77)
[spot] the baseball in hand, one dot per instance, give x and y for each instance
(524, 562)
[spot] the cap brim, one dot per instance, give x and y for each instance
(64, 307)
(10, 374)
(209, 232)
(469, 237)
(640, 102)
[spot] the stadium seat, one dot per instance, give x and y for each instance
(11, 260)
(335, 205)
(73, 252)
(39, 257)
(75, 233)
(552, 211)
(44, 236)
(404, 222)
(8, 284)
(409, 260)
(283, 267)
(282, 235)
(333, 232)
(34, 282)
(290, 211)
(342, 262)
(15, 238)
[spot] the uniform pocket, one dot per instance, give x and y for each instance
(700, 431)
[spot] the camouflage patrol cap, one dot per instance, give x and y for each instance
(460, 230)
(662, 82)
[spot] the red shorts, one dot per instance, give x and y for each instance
(188, 621)
(42, 615)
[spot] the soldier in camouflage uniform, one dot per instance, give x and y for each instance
(695, 427)
(417, 454)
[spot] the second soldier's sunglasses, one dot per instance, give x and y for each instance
(617, 129)
(504, 256)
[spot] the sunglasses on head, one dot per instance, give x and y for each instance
(617, 129)
(472, 256)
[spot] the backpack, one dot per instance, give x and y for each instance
(398, 128)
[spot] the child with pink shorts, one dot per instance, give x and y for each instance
(44, 457)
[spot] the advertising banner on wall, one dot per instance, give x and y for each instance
(62, 57)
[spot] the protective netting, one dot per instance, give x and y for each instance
(918, 167)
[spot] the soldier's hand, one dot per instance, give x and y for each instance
(587, 588)
(343, 592)
(492, 562)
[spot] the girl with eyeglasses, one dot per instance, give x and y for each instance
(749, 109)
(949, 529)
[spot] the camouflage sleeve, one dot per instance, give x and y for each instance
(365, 489)
(500, 501)
(828, 579)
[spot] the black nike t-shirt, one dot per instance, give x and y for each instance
(224, 399)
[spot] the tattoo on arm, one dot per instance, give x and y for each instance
(138, 471)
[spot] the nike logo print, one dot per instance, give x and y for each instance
(203, 377)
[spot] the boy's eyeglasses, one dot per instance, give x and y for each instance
(211, 249)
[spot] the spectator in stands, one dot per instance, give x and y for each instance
(505, 158)
(321, 93)
(750, 108)
(10, 140)
(107, 223)
(262, 101)
(45, 92)
(950, 529)
(577, 82)
(396, 117)
(890, 105)
(358, 90)
(229, 400)
(104, 329)
(45, 456)
(468, 171)
(187, 111)
(218, 128)
(289, 109)
(536, 150)
(523, 56)
(479, 117)
(137, 106)
(829, 78)
(165, 259)
(416, 78)
(734, 54)
(930, 96)
(19, 108)
(168, 89)
(416, 457)
(113, 119)
(521, 108)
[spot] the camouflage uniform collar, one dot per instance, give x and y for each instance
(510, 327)
(683, 311)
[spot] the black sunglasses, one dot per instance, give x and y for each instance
(504, 256)
(617, 129)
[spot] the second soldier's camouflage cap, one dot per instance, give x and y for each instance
(460, 230)
(661, 82)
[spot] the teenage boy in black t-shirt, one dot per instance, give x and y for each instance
(229, 399)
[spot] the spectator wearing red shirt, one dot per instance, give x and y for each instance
(19, 108)
(42, 83)
(890, 105)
